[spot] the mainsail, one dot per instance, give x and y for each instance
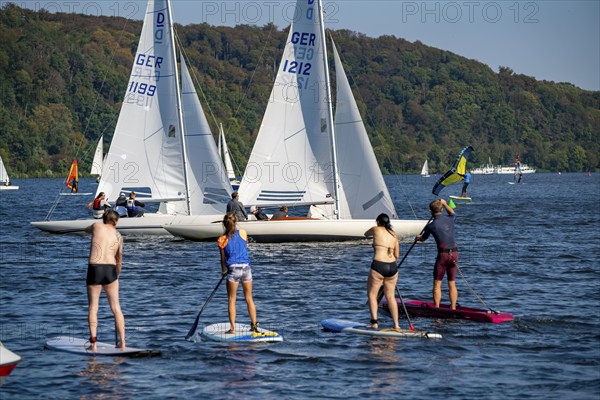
(456, 173)
(149, 150)
(3, 174)
(290, 162)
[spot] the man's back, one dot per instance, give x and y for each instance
(106, 245)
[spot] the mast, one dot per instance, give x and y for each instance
(329, 112)
(179, 112)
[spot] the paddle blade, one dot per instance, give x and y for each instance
(451, 204)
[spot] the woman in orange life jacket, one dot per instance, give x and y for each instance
(235, 262)
(99, 205)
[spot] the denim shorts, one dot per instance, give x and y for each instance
(239, 273)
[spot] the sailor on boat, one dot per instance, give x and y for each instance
(99, 205)
(134, 207)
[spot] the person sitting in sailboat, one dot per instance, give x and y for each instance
(282, 213)
(99, 205)
(258, 213)
(121, 205)
(134, 207)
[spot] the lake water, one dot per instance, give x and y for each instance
(529, 249)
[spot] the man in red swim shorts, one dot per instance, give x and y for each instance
(442, 229)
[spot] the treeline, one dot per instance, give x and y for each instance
(63, 76)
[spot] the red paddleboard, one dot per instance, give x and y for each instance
(419, 308)
(8, 361)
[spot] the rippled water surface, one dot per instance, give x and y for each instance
(530, 249)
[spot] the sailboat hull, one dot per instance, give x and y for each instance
(149, 224)
(293, 230)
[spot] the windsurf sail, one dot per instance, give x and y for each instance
(456, 173)
(73, 178)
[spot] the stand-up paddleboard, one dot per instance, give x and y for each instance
(426, 309)
(461, 199)
(342, 325)
(76, 194)
(242, 334)
(81, 346)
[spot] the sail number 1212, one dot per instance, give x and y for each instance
(295, 67)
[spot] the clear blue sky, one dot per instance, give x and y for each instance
(550, 39)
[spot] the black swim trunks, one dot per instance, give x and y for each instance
(384, 268)
(101, 274)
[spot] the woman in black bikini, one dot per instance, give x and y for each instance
(384, 268)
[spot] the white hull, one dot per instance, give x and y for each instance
(489, 170)
(292, 230)
(511, 170)
(149, 224)
(9, 187)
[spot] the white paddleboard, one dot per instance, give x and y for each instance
(81, 346)
(76, 194)
(463, 199)
(342, 325)
(242, 334)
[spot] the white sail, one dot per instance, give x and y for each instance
(97, 162)
(3, 174)
(209, 187)
(425, 169)
(4, 179)
(290, 162)
(226, 155)
(146, 149)
(364, 190)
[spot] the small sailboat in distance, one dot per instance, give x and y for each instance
(4, 179)
(224, 151)
(425, 170)
(98, 159)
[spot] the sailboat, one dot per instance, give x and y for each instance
(162, 147)
(301, 158)
(4, 179)
(98, 159)
(72, 181)
(224, 150)
(425, 170)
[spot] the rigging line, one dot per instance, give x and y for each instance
(104, 78)
(196, 81)
(92, 112)
(474, 292)
(388, 159)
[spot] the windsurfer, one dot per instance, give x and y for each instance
(442, 229)
(384, 268)
(467, 178)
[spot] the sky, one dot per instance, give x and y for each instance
(548, 39)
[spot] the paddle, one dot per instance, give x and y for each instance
(195, 326)
(412, 328)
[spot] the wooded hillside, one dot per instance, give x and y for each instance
(63, 76)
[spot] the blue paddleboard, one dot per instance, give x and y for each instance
(342, 325)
